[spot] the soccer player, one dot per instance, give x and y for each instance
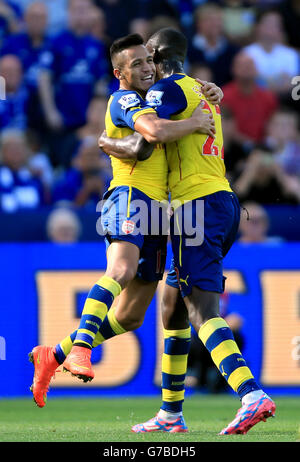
(128, 253)
(196, 175)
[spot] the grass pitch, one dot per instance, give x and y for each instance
(110, 420)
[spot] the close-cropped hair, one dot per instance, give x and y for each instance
(169, 44)
(123, 43)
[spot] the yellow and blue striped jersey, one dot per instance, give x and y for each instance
(196, 161)
(149, 176)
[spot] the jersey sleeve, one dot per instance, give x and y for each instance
(167, 98)
(127, 107)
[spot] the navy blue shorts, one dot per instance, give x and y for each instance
(198, 259)
(127, 214)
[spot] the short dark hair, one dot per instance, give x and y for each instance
(123, 43)
(169, 45)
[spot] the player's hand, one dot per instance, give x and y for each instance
(211, 91)
(205, 122)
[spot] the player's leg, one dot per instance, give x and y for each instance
(129, 312)
(217, 337)
(75, 350)
(177, 339)
(177, 336)
(122, 263)
(126, 315)
(133, 302)
(132, 305)
(152, 253)
(123, 255)
(201, 291)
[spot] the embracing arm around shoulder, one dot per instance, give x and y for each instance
(157, 130)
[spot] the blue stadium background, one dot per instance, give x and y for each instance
(50, 162)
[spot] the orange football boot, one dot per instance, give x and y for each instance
(78, 362)
(45, 366)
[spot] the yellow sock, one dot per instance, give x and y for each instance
(218, 339)
(174, 367)
(97, 304)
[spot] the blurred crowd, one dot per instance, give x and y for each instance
(54, 63)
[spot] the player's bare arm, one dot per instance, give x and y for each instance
(131, 147)
(136, 147)
(150, 130)
(157, 130)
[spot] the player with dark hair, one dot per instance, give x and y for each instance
(129, 253)
(197, 175)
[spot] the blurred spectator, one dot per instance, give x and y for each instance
(90, 132)
(83, 183)
(123, 18)
(63, 226)
(290, 13)
(75, 65)
(251, 105)
(159, 22)
(28, 46)
(200, 71)
(254, 224)
(209, 45)
(140, 26)
(264, 181)
(57, 13)
(235, 154)
(202, 372)
(19, 188)
(185, 12)
(283, 139)
(95, 119)
(239, 17)
(118, 15)
(38, 161)
(275, 62)
(98, 24)
(8, 19)
(13, 110)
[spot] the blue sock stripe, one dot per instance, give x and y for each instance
(106, 329)
(177, 346)
(247, 387)
(60, 355)
(84, 338)
(230, 364)
(102, 295)
(73, 335)
(90, 322)
(175, 406)
(217, 337)
(173, 382)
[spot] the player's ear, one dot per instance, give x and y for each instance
(118, 74)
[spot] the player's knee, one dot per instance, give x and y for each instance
(167, 302)
(174, 312)
(122, 272)
(132, 322)
(198, 318)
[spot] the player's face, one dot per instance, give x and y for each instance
(138, 70)
(150, 45)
